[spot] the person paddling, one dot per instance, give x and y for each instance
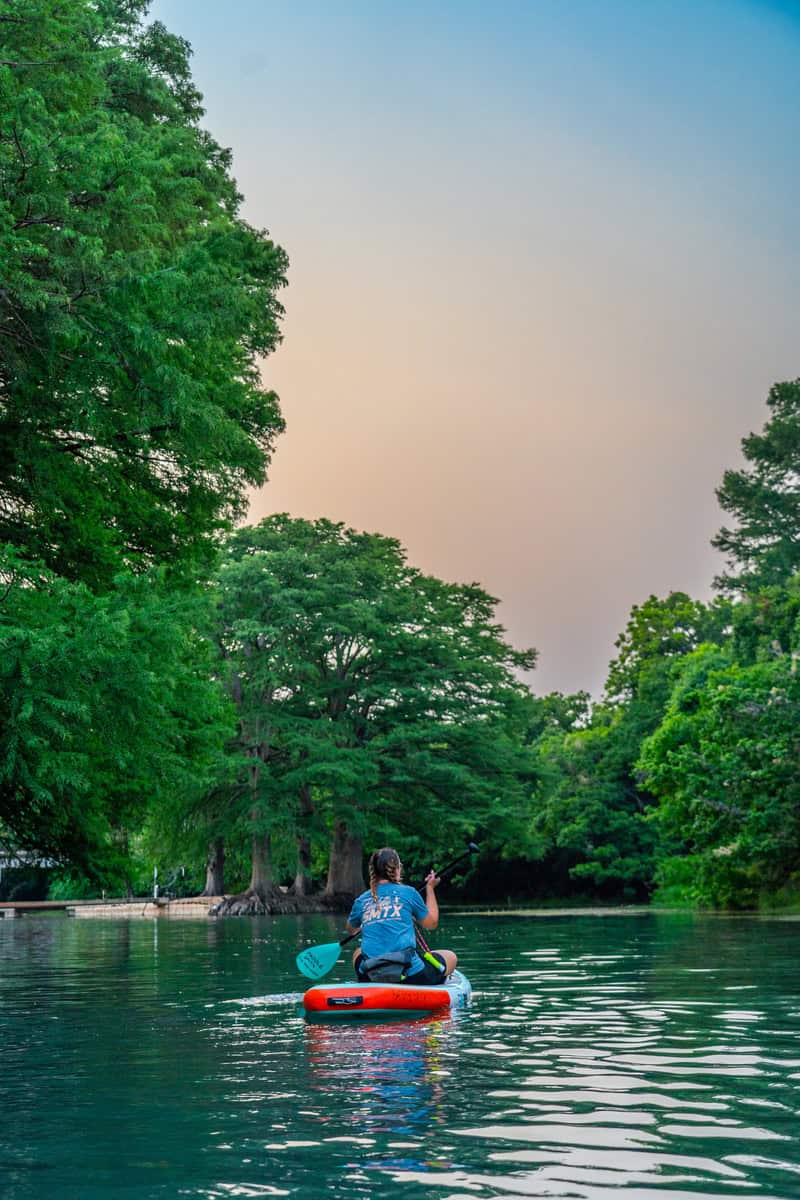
(385, 914)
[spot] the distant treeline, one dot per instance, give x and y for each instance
(262, 706)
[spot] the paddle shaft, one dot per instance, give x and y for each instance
(451, 866)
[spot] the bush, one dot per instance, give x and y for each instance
(71, 885)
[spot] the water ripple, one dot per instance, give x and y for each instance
(657, 1056)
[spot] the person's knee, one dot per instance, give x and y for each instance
(450, 960)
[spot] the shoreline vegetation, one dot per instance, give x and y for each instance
(247, 709)
(203, 907)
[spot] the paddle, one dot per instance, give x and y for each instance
(316, 961)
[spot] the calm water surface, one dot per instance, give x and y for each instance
(653, 1056)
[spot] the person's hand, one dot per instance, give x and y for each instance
(432, 880)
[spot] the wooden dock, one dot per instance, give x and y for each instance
(15, 908)
(193, 906)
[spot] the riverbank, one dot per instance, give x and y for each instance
(198, 907)
(625, 910)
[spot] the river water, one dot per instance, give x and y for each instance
(655, 1056)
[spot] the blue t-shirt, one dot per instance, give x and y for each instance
(388, 925)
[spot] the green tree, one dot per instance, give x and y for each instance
(107, 709)
(589, 823)
(724, 766)
(765, 623)
(135, 304)
(135, 300)
(763, 548)
(373, 700)
(721, 761)
(657, 632)
(556, 712)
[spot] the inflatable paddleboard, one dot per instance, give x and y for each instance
(386, 999)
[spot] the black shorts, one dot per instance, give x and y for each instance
(429, 976)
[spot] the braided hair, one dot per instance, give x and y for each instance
(384, 865)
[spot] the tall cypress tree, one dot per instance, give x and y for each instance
(372, 699)
(763, 547)
(135, 304)
(134, 299)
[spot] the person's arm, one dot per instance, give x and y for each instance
(432, 919)
(353, 922)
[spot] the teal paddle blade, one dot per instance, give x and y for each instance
(316, 961)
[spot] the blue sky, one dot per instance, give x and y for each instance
(544, 271)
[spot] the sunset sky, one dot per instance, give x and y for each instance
(544, 269)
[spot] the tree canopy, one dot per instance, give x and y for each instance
(657, 632)
(763, 547)
(134, 300)
(367, 692)
(135, 303)
(723, 765)
(589, 821)
(107, 707)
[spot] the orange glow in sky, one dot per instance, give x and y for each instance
(543, 273)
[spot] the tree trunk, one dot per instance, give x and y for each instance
(302, 880)
(215, 869)
(345, 876)
(261, 870)
(121, 838)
